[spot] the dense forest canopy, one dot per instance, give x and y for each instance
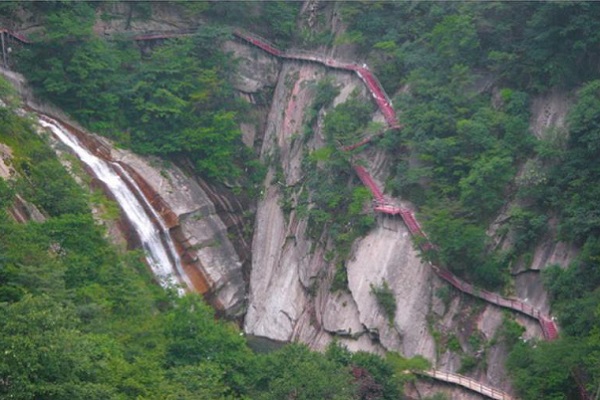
(464, 74)
(81, 320)
(471, 69)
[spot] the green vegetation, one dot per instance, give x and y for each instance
(88, 323)
(272, 19)
(529, 46)
(336, 205)
(454, 344)
(466, 143)
(568, 189)
(437, 396)
(173, 100)
(552, 369)
(328, 171)
(80, 320)
(42, 180)
(386, 300)
(572, 187)
(469, 141)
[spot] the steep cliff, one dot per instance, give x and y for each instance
(290, 297)
(285, 292)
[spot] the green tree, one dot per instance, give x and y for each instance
(545, 371)
(574, 191)
(386, 300)
(455, 39)
(483, 188)
(195, 338)
(45, 356)
(296, 372)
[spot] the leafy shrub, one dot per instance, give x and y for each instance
(386, 300)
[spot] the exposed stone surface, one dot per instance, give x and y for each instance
(289, 296)
(255, 71)
(341, 316)
(490, 321)
(551, 250)
(549, 111)
(208, 255)
(285, 261)
(6, 170)
(23, 211)
(286, 264)
(255, 79)
(387, 254)
(197, 228)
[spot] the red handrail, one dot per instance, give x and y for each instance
(382, 100)
(19, 36)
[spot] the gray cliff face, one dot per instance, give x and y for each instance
(199, 230)
(285, 295)
(289, 296)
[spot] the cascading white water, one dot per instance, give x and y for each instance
(157, 243)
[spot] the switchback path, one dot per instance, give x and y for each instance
(384, 206)
(363, 72)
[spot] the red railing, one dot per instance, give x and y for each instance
(368, 181)
(379, 95)
(19, 36)
(388, 209)
(258, 42)
(548, 326)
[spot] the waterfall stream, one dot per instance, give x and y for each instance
(155, 238)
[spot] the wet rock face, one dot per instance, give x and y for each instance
(289, 296)
(208, 255)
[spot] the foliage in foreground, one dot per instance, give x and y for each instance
(82, 321)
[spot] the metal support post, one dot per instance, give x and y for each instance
(4, 58)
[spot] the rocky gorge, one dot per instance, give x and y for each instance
(254, 260)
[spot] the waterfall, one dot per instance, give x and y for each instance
(155, 238)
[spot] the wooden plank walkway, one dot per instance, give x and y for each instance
(467, 383)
